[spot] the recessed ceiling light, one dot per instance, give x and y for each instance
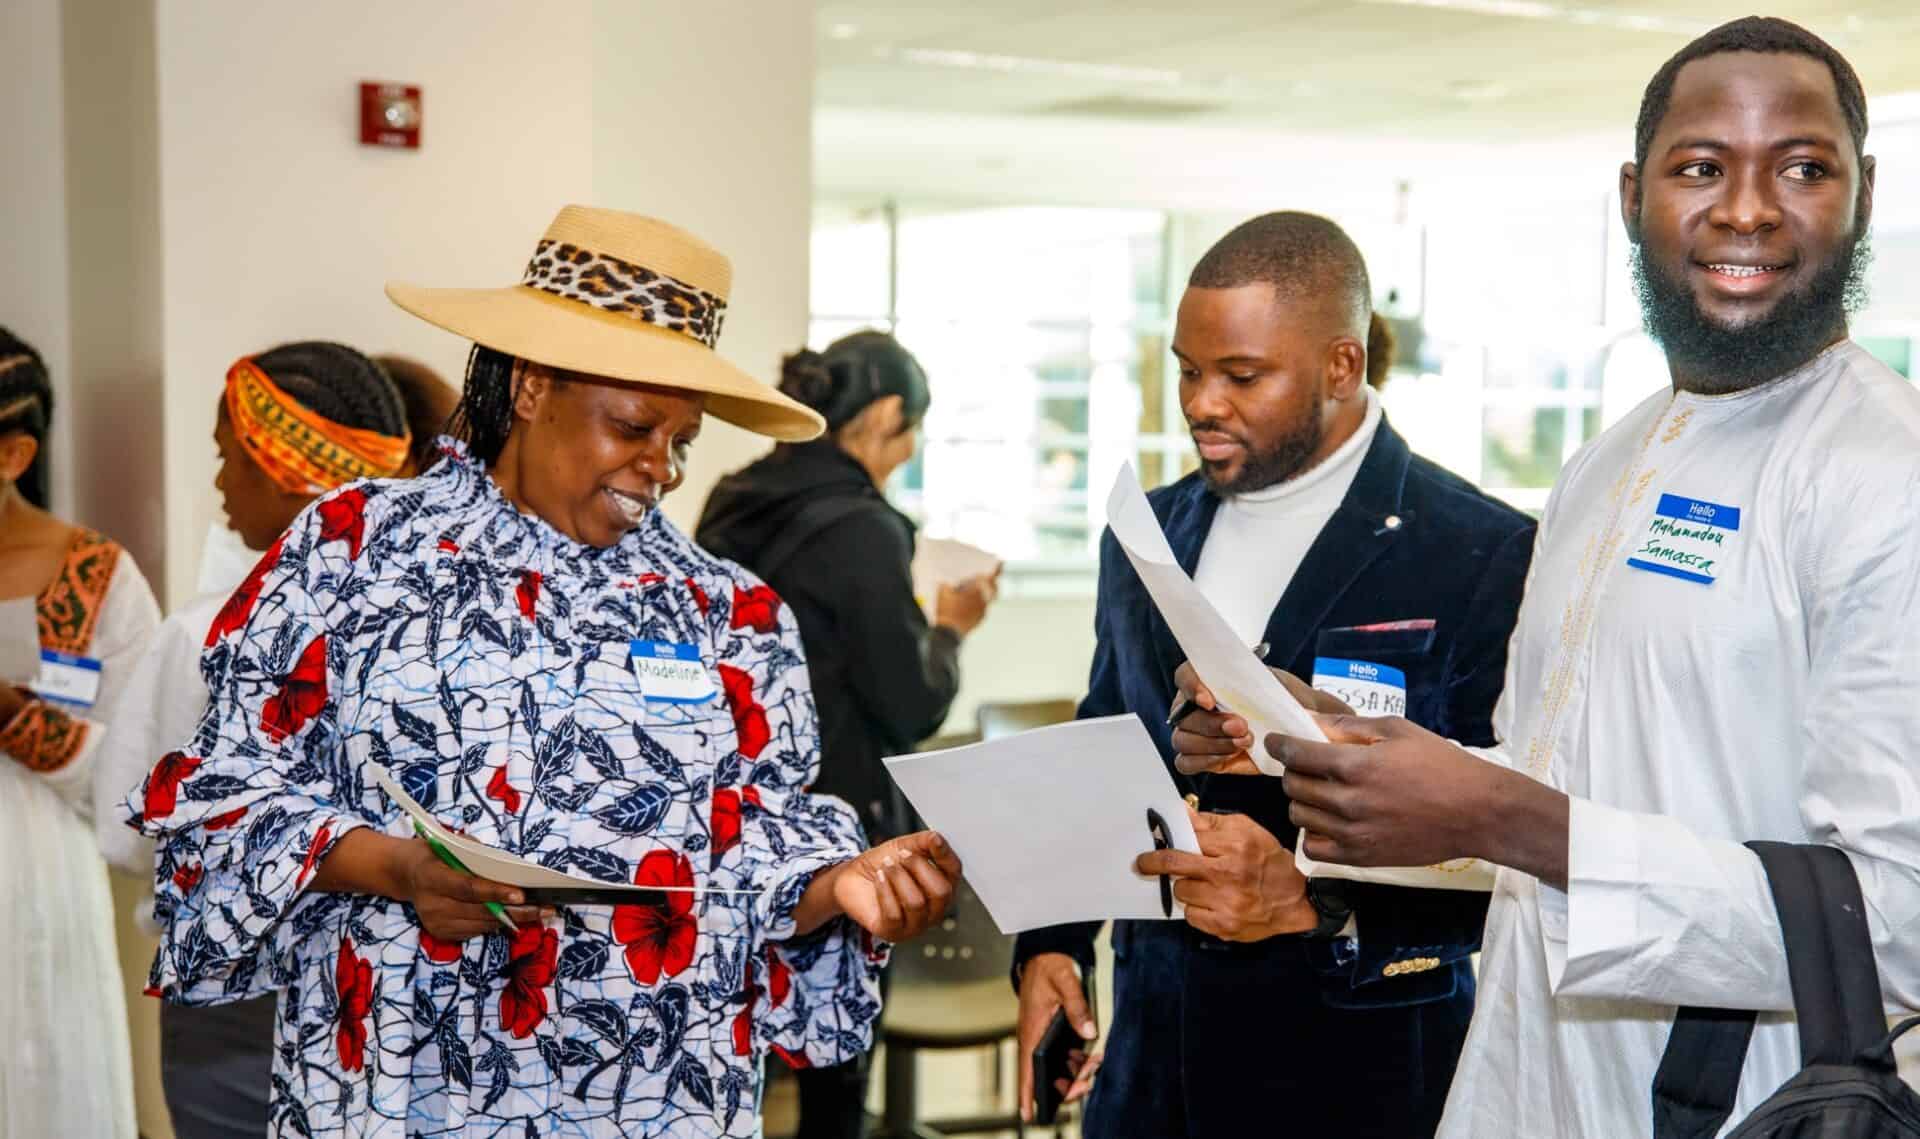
(1560, 13)
(844, 31)
(1476, 90)
(1028, 65)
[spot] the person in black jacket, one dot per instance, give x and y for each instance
(810, 519)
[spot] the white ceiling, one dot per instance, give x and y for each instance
(1480, 70)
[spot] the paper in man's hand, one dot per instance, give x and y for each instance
(1241, 683)
(1048, 822)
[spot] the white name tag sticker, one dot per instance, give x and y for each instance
(66, 679)
(1687, 539)
(1369, 689)
(670, 673)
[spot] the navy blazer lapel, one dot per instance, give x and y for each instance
(1188, 518)
(1367, 521)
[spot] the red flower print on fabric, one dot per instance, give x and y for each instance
(527, 593)
(233, 615)
(222, 822)
(726, 822)
(498, 788)
(659, 936)
(314, 848)
(302, 695)
(793, 1060)
(749, 718)
(530, 969)
(758, 607)
(163, 784)
(779, 978)
(353, 981)
(343, 519)
(437, 951)
(699, 596)
(187, 877)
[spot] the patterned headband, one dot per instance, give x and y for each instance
(608, 283)
(301, 451)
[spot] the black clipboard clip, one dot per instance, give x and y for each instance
(1157, 827)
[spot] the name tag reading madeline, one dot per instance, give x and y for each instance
(670, 673)
(1687, 539)
(66, 679)
(1369, 689)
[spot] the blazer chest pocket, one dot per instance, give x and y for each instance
(1380, 670)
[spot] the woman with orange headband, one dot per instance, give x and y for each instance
(292, 424)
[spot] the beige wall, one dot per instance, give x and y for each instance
(1029, 648)
(278, 225)
(33, 287)
(728, 156)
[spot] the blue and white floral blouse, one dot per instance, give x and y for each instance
(483, 659)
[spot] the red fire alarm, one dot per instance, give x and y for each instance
(390, 115)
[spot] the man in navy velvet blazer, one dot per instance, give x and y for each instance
(1274, 1008)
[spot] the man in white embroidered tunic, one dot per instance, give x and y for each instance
(1717, 642)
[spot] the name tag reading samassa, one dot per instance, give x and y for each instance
(1687, 539)
(1369, 689)
(670, 673)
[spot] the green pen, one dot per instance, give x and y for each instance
(447, 857)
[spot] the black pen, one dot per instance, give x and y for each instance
(1157, 828)
(1188, 707)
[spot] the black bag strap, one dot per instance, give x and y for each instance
(1699, 1074)
(1836, 994)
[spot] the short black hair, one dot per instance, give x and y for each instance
(1766, 35)
(1299, 254)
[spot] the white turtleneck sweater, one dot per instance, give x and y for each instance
(1259, 538)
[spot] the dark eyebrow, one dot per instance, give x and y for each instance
(1783, 144)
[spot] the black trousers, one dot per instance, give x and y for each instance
(833, 1101)
(216, 1067)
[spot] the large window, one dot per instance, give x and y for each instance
(1044, 332)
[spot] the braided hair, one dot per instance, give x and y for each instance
(337, 382)
(484, 415)
(854, 372)
(26, 404)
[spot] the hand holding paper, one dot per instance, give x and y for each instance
(1049, 822)
(1243, 686)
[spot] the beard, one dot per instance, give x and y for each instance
(1277, 462)
(1719, 359)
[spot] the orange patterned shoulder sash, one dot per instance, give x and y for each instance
(70, 606)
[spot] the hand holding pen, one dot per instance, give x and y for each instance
(1189, 692)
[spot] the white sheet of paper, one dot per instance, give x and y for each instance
(943, 561)
(488, 862)
(1048, 822)
(1243, 684)
(1236, 676)
(19, 641)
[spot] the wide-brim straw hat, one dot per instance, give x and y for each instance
(624, 297)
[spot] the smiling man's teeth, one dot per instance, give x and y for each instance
(1743, 270)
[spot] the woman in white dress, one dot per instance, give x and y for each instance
(74, 600)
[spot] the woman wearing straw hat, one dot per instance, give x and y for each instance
(490, 636)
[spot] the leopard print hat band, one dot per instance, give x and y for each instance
(612, 285)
